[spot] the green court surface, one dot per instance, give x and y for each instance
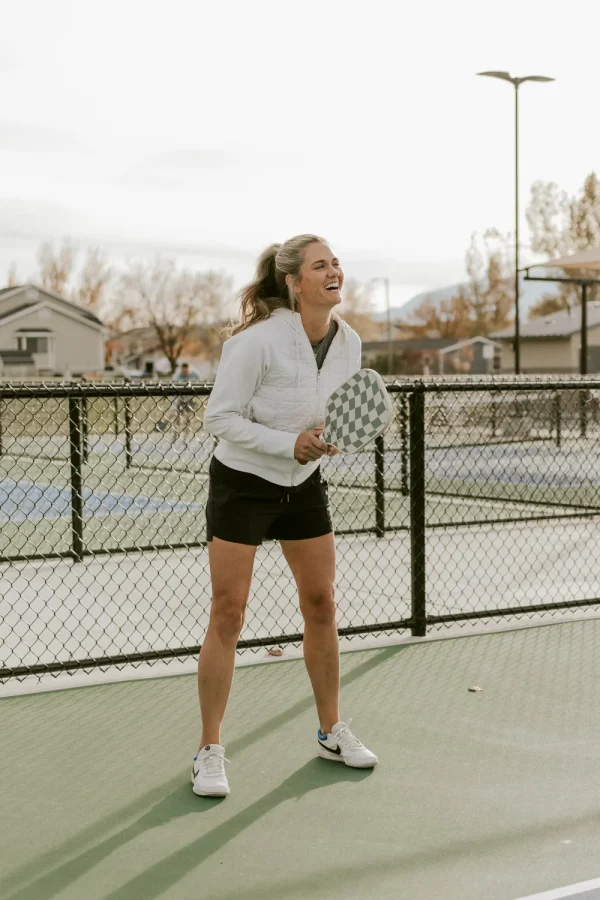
(486, 795)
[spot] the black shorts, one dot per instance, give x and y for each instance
(246, 509)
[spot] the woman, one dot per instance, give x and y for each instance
(287, 355)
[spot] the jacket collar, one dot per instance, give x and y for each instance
(295, 319)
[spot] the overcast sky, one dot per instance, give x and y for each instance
(206, 130)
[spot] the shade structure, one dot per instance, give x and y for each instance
(586, 259)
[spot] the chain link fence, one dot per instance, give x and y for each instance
(481, 501)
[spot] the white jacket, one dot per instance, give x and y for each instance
(268, 390)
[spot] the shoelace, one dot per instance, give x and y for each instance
(345, 737)
(213, 763)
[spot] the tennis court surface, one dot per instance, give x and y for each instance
(485, 795)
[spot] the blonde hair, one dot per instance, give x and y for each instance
(269, 290)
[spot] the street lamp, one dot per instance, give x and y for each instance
(516, 82)
(386, 282)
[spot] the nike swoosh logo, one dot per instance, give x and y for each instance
(337, 751)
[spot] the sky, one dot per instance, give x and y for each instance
(204, 131)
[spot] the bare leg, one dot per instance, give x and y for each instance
(313, 566)
(231, 574)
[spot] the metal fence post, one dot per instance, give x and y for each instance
(494, 416)
(85, 444)
(116, 406)
(404, 445)
(76, 458)
(557, 409)
(379, 487)
(416, 405)
(1, 427)
(127, 432)
(583, 417)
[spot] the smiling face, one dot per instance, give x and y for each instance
(321, 278)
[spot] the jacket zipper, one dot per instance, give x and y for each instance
(318, 390)
(318, 385)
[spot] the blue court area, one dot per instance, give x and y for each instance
(507, 473)
(529, 463)
(536, 464)
(543, 472)
(22, 501)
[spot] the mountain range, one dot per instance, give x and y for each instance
(531, 292)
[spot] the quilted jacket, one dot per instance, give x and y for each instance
(268, 390)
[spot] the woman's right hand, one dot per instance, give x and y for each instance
(308, 446)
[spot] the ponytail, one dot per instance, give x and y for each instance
(269, 290)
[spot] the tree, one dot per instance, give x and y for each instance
(57, 272)
(561, 225)
(209, 335)
(87, 287)
(480, 307)
(357, 309)
(56, 266)
(173, 303)
(94, 282)
(490, 288)
(186, 310)
(448, 318)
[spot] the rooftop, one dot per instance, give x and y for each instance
(557, 325)
(425, 343)
(85, 313)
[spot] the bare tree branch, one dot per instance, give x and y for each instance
(357, 309)
(561, 225)
(480, 307)
(56, 266)
(94, 281)
(174, 303)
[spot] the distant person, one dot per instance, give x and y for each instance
(182, 411)
(183, 404)
(186, 406)
(186, 374)
(288, 353)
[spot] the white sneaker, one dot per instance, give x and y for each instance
(343, 746)
(208, 772)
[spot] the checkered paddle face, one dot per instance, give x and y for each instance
(357, 412)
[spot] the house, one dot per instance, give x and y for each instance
(434, 356)
(138, 350)
(42, 334)
(552, 344)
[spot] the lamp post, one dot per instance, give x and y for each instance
(390, 354)
(516, 83)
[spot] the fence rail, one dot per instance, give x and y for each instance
(481, 501)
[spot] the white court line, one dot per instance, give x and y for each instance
(571, 890)
(463, 500)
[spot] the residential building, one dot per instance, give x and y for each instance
(552, 344)
(434, 356)
(44, 335)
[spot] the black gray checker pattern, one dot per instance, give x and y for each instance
(357, 412)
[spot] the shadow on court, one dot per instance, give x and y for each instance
(180, 801)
